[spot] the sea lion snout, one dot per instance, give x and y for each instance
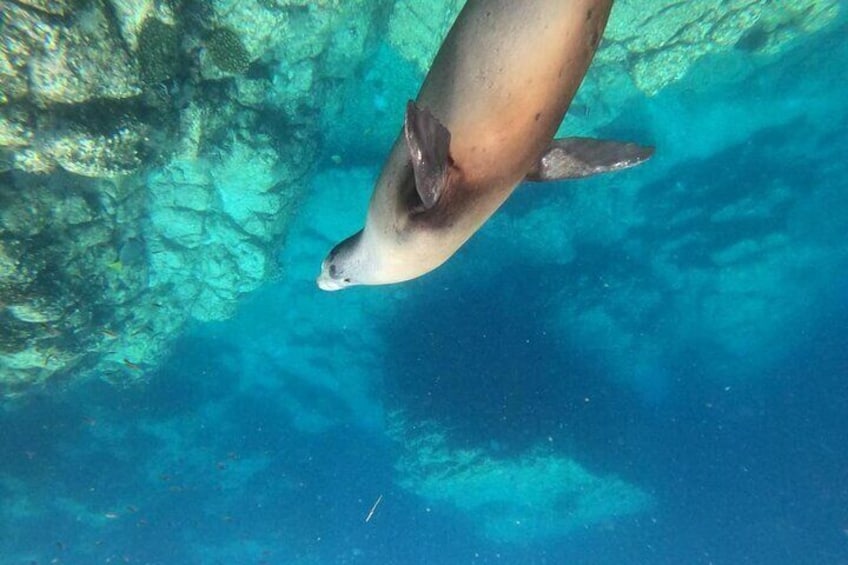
(329, 278)
(328, 284)
(342, 266)
(325, 280)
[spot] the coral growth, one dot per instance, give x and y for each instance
(227, 51)
(157, 51)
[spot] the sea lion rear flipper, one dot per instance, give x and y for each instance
(578, 157)
(428, 142)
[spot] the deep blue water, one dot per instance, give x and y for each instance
(691, 339)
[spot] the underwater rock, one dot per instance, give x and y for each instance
(250, 27)
(70, 90)
(241, 33)
(53, 7)
(655, 43)
(253, 93)
(77, 62)
(99, 156)
(661, 43)
(292, 86)
(520, 499)
(416, 30)
(181, 185)
(58, 287)
(14, 127)
(212, 237)
(132, 15)
(22, 34)
(57, 70)
(350, 36)
(79, 150)
(247, 189)
(214, 223)
(293, 30)
(192, 122)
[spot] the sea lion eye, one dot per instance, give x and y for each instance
(346, 280)
(333, 271)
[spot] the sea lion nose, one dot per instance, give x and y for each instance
(326, 283)
(327, 279)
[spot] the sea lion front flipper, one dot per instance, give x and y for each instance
(578, 157)
(428, 142)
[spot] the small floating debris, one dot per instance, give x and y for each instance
(373, 508)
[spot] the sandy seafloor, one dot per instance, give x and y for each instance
(690, 338)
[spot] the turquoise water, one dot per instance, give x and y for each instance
(648, 367)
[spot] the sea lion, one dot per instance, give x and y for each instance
(483, 122)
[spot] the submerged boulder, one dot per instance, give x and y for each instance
(536, 495)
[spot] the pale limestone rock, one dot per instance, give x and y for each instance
(259, 25)
(23, 36)
(416, 29)
(179, 226)
(131, 15)
(656, 42)
(96, 155)
(182, 185)
(245, 184)
(76, 64)
(14, 131)
(54, 7)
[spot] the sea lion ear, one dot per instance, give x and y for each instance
(428, 142)
(578, 157)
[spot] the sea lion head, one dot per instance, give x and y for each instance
(346, 265)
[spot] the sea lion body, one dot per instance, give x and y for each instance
(484, 117)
